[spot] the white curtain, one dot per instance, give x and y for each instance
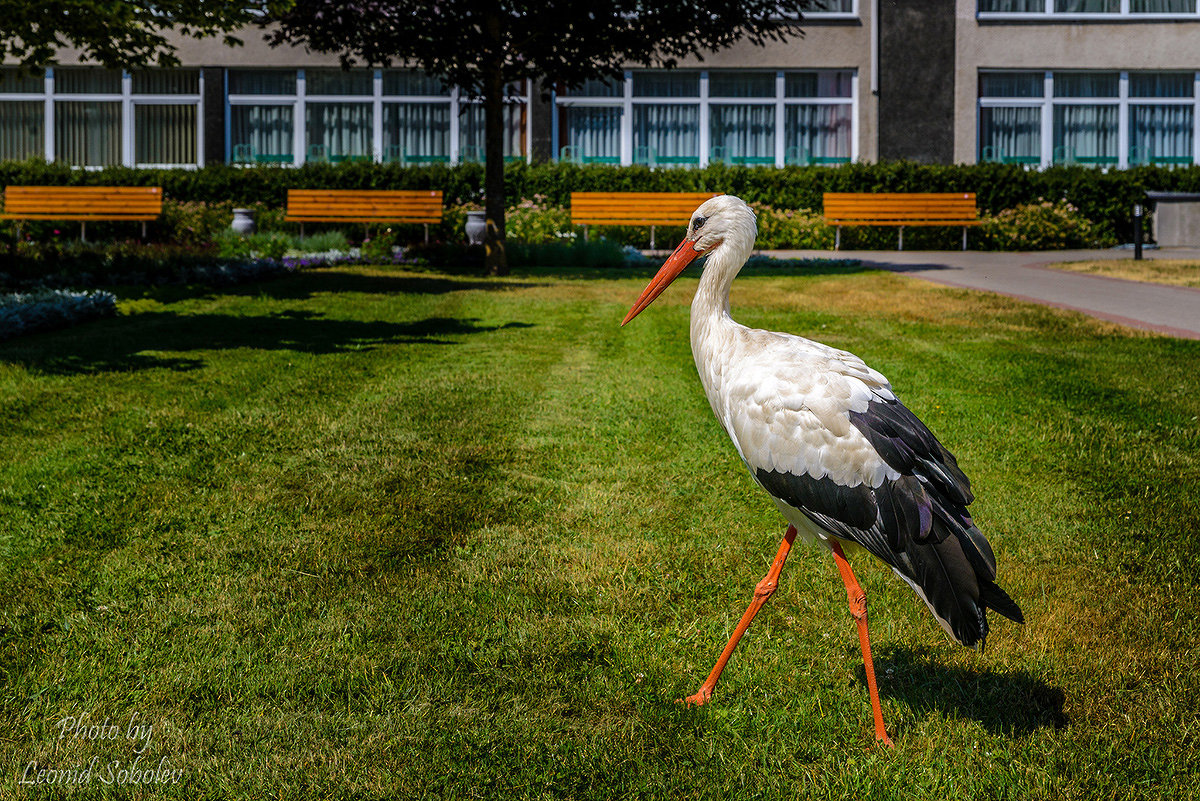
(813, 132)
(22, 130)
(1085, 133)
(471, 129)
(1010, 134)
(1087, 6)
(592, 132)
(1160, 132)
(667, 134)
(416, 132)
(261, 131)
(164, 134)
(742, 133)
(1162, 6)
(87, 134)
(342, 129)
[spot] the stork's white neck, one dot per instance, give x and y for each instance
(713, 330)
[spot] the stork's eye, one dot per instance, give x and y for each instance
(698, 223)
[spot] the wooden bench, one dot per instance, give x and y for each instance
(83, 203)
(635, 208)
(900, 209)
(364, 206)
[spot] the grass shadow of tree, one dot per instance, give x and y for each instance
(1008, 702)
(144, 341)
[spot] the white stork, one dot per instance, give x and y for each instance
(843, 459)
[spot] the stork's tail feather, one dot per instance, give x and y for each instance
(953, 577)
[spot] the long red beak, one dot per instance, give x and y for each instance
(684, 255)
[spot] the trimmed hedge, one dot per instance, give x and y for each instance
(1105, 198)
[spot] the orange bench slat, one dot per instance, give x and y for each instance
(137, 203)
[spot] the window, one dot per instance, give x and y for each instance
(22, 117)
(1105, 119)
(1087, 8)
(695, 117)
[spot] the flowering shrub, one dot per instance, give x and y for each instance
(780, 229)
(533, 222)
(22, 313)
(1044, 225)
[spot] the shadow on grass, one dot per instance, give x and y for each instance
(1013, 702)
(803, 268)
(307, 283)
(896, 267)
(133, 343)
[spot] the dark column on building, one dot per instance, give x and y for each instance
(916, 80)
(213, 109)
(540, 143)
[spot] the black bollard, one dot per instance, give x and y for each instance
(1137, 231)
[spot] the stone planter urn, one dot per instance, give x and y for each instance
(243, 221)
(476, 227)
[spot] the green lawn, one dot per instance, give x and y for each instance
(377, 533)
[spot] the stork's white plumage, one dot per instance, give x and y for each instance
(842, 458)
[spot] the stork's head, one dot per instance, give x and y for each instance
(723, 223)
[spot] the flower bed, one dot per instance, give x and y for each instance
(25, 312)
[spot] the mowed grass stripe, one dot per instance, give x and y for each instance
(375, 532)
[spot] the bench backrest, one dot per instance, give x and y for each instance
(83, 202)
(364, 205)
(635, 208)
(883, 207)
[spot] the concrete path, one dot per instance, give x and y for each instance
(1170, 310)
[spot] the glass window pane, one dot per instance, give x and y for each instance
(1160, 134)
(416, 133)
(741, 84)
(742, 134)
(614, 87)
(1161, 84)
(87, 134)
(87, 80)
(408, 82)
(164, 133)
(668, 134)
(1087, 6)
(1162, 6)
(1012, 84)
(262, 82)
(1085, 134)
(666, 84)
(593, 134)
(1013, 6)
(1010, 135)
(16, 81)
(471, 132)
(817, 134)
(261, 134)
(22, 130)
(1086, 84)
(828, 6)
(825, 83)
(336, 131)
(338, 82)
(166, 82)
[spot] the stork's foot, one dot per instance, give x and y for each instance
(700, 698)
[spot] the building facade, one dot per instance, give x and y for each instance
(1109, 83)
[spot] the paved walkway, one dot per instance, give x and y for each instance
(1169, 310)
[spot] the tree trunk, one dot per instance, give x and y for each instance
(495, 259)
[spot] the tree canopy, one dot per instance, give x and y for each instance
(483, 45)
(119, 33)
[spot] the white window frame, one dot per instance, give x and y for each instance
(128, 100)
(1048, 12)
(626, 102)
(1123, 102)
(454, 100)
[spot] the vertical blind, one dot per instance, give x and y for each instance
(667, 133)
(262, 131)
(342, 129)
(87, 134)
(416, 132)
(742, 132)
(593, 132)
(22, 134)
(164, 134)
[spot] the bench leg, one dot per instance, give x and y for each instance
(426, 233)
(900, 241)
(964, 237)
(837, 239)
(652, 237)
(83, 231)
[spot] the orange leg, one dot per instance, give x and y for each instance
(762, 591)
(858, 609)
